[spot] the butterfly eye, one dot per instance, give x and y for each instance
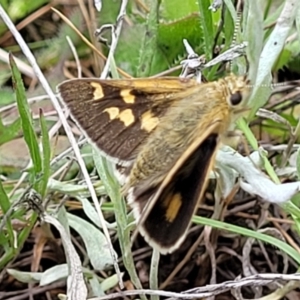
(236, 98)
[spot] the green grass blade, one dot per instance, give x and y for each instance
(242, 124)
(27, 121)
(113, 190)
(149, 41)
(46, 156)
(4, 201)
(229, 24)
(5, 207)
(250, 233)
(208, 28)
(153, 278)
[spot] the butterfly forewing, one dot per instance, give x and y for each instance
(118, 115)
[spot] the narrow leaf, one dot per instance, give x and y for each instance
(46, 155)
(207, 25)
(27, 121)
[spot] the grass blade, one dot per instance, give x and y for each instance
(27, 121)
(46, 156)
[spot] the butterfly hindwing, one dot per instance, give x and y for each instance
(165, 210)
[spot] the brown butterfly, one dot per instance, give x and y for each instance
(165, 133)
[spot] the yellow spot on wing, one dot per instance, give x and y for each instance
(113, 112)
(127, 96)
(98, 92)
(149, 122)
(172, 204)
(127, 117)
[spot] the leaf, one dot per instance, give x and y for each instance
(91, 213)
(269, 54)
(207, 26)
(56, 273)
(165, 47)
(26, 277)
(95, 242)
(4, 202)
(46, 156)
(172, 10)
(255, 182)
(110, 282)
(5, 207)
(171, 35)
(27, 121)
(113, 190)
(254, 34)
(282, 60)
(149, 41)
(96, 288)
(293, 253)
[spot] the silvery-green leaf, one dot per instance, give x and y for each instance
(56, 273)
(95, 242)
(26, 277)
(254, 181)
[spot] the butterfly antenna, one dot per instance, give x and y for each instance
(237, 27)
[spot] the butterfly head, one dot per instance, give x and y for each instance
(239, 91)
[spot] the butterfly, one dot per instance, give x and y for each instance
(164, 133)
